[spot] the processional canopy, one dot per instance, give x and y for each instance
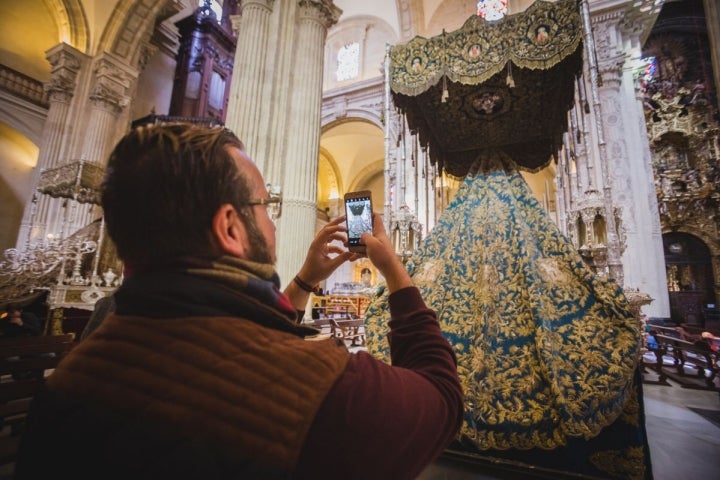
(503, 85)
(547, 353)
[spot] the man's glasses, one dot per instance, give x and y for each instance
(273, 202)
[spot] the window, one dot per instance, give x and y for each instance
(348, 62)
(648, 73)
(216, 98)
(492, 9)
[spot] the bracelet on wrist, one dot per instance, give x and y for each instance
(305, 286)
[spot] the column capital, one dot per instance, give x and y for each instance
(63, 56)
(321, 11)
(266, 4)
(112, 83)
(61, 86)
(66, 63)
(611, 72)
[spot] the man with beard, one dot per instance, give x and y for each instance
(204, 371)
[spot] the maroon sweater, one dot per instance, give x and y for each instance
(356, 436)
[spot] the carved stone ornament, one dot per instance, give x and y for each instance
(60, 87)
(266, 4)
(105, 95)
(78, 180)
(321, 11)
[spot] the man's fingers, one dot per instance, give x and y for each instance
(333, 248)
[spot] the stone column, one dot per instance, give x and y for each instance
(66, 62)
(627, 168)
(303, 135)
(108, 97)
(249, 74)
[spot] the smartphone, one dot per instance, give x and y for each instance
(359, 218)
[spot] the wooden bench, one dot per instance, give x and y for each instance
(349, 329)
(24, 362)
(659, 350)
(698, 353)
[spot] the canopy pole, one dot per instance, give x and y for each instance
(388, 163)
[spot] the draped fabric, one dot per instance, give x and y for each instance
(547, 352)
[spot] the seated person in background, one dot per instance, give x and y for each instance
(712, 340)
(651, 341)
(687, 335)
(17, 323)
(204, 371)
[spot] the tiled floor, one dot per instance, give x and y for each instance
(683, 444)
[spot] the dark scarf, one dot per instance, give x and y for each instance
(225, 286)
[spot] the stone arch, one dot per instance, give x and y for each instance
(331, 118)
(130, 26)
(72, 23)
(367, 175)
(709, 240)
(372, 33)
(693, 272)
(359, 115)
(329, 178)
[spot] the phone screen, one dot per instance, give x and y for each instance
(359, 218)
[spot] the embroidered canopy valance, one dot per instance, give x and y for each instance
(502, 85)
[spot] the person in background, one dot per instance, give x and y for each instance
(17, 323)
(204, 371)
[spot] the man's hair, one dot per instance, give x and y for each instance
(164, 183)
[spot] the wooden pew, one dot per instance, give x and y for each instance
(659, 350)
(698, 353)
(24, 363)
(349, 329)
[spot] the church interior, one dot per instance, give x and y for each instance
(606, 112)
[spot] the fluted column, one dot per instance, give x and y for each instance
(635, 250)
(108, 97)
(303, 143)
(66, 62)
(643, 251)
(249, 74)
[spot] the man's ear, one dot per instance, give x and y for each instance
(229, 232)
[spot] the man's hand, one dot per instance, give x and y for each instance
(381, 253)
(325, 255)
